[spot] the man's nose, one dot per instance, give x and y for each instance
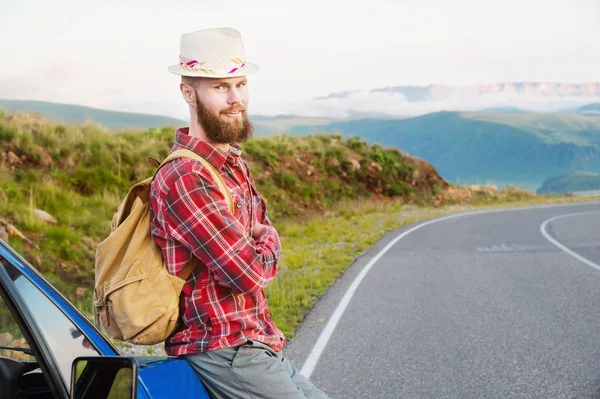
(234, 96)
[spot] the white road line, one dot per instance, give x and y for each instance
(563, 247)
(313, 357)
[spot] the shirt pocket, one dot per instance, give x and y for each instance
(241, 209)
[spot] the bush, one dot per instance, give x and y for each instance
(286, 180)
(261, 152)
(7, 133)
(89, 181)
(357, 144)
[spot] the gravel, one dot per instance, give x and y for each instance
(127, 349)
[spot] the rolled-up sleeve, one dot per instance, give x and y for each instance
(197, 215)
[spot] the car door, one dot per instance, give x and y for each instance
(53, 329)
(26, 362)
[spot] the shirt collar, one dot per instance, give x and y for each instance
(212, 154)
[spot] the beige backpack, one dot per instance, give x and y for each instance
(135, 298)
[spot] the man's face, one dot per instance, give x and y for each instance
(221, 107)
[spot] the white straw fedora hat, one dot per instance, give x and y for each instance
(213, 53)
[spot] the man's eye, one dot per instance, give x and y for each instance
(242, 85)
(219, 87)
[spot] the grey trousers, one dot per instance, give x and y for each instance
(252, 370)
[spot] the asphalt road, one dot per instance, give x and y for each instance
(476, 306)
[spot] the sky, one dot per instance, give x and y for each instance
(114, 54)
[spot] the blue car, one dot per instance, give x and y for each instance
(48, 349)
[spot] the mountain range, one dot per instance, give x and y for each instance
(520, 149)
(501, 145)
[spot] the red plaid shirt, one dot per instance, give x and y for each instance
(223, 303)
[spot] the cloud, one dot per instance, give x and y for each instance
(397, 104)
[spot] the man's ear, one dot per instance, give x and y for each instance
(188, 93)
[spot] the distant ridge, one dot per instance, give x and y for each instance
(570, 183)
(505, 110)
(71, 113)
(590, 109)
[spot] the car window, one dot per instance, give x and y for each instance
(12, 337)
(65, 340)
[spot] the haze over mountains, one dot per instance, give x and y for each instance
(420, 100)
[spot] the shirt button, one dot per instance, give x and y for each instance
(268, 316)
(238, 205)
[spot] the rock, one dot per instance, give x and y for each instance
(3, 234)
(13, 231)
(45, 216)
(13, 159)
(6, 339)
(377, 166)
(45, 158)
(80, 291)
(19, 356)
(332, 162)
(355, 165)
(69, 162)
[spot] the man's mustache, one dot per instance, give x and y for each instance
(234, 108)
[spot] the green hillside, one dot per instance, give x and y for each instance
(518, 149)
(504, 110)
(570, 183)
(69, 113)
(590, 109)
(79, 174)
(551, 128)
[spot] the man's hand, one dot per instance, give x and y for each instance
(258, 229)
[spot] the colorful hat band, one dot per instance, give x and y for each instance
(228, 66)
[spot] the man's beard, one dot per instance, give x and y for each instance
(219, 131)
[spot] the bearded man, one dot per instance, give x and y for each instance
(226, 331)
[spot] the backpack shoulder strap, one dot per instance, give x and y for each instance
(183, 153)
